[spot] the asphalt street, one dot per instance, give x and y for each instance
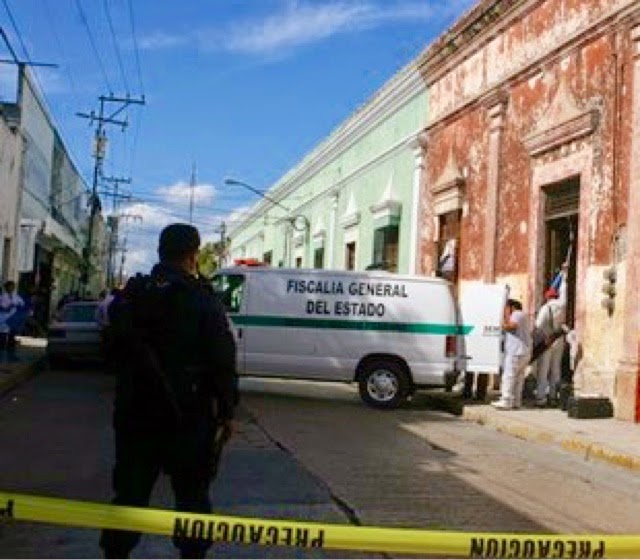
(56, 439)
(309, 451)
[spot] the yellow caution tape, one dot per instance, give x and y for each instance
(270, 532)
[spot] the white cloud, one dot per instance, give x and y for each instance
(142, 234)
(303, 23)
(159, 40)
(300, 23)
(237, 215)
(139, 260)
(181, 191)
(151, 216)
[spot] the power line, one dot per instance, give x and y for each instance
(115, 46)
(63, 52)
(29, 62)
(136, 48)
(15, 29)
(83, 17)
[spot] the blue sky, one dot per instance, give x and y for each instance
(243, 88)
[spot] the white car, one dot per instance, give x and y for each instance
(74, 333)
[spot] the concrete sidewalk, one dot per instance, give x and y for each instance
(29, 357)
(604, 439)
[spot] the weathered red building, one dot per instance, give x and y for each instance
(532, 156)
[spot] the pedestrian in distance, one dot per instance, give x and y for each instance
(102, 318)
(14, 310)
(176, 387)
(517, 351)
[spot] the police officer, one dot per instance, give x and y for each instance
(176, 385)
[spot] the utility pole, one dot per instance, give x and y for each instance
(115, 194)
(114, 220)
(193, 186)
(122, 248)
(99, 155)
(122, 259)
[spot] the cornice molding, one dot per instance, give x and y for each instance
(610, 18)
(478, 25)
(448, 197)
(496, 101)
(395, 94)
(563, 133)
(320, 235)
(386, 208)
(448, 191)
(333, 190)
(350, 220)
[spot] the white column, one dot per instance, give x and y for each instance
(496, 108)
(333, 220)
(418, 170)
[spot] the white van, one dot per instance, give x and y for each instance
(391, 334)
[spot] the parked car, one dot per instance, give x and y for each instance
(74, 333)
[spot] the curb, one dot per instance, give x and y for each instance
(11, 380)
(444, 403)
(588, 449)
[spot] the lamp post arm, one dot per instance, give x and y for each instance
(256, 191)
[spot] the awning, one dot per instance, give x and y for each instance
(61, 236)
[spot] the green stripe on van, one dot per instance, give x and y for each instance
(341, 324)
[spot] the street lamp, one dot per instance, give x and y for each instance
(298, 222)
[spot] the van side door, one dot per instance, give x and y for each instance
(481, 309)
(231, 288)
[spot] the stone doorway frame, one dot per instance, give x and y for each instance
(577, 163)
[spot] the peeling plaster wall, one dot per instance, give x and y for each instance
(467, 141)
(569, 67)
(542, 28)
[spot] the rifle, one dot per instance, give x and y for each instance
(221, 436)
(151, 359)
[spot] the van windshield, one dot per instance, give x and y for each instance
(230, 288)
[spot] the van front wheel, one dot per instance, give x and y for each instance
(384, 384)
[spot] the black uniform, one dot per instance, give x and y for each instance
(176, 379)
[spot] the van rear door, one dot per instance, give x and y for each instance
(481, 309)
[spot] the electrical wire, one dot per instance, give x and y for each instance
(15, 29)
(116, 48)
(138, 125)
(135, 45)
(96, 53)
(41, 92)
(58, 40)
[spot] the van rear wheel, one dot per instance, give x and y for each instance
(384, 384)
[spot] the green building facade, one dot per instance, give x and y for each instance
(352, 203)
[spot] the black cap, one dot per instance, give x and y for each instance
(178, 241)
